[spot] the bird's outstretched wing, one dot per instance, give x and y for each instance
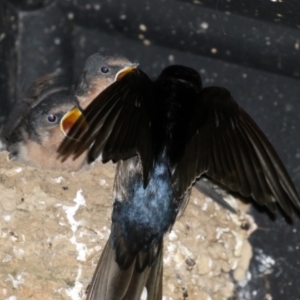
(226, 144)
(118, 124)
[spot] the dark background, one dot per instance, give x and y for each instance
(251, 47)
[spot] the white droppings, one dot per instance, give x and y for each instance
(200, 237)
(297, 45)
(220, 231)
(16, 281)
(187, 252)
(71, 211)
(171, 247)
(171, 287)
(74, 293)
(123, 17)
(6, 218)
(18, 251)
(103, 182)
(58, 179)
(172, 236)
(213, 50)
(11, 298)
(234, 264)
(210, 262)
(7, 258)
(13, 171)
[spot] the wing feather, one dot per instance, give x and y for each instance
(119, 124)
(229, 147)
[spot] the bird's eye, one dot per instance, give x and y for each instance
(104, 70)
(51, 118)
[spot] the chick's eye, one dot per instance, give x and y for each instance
(104, 70)
(51, 118)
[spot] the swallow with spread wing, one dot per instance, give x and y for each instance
(165, 134)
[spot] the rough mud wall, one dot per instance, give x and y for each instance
(54, 225)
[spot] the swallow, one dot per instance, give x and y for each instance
(34, 127)
(165, 134)
(27, 135)
(99, 72)
(41, 88)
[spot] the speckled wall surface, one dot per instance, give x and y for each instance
(250, 47)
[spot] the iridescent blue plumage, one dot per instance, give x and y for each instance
(141, 216)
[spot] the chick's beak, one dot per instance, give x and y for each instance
(125, 71)
(70, 118)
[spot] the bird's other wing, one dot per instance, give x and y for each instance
(225, 144)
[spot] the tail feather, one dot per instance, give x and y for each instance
(111, 283)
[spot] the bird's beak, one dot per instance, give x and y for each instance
(70, 118)
(125, 71)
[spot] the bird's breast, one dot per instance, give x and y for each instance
(143, 214)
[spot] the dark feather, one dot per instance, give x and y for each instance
(111, 283)
(119, 124)
(229, 147)
(206, 187)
